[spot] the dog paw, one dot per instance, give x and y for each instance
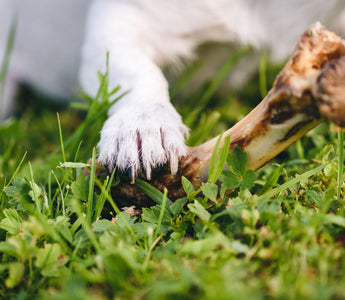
(138, 139)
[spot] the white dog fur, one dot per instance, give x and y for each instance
(58, 39)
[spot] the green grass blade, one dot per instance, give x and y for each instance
(340, 162)
(91, 188)
(156, 195)
(291, 182)
(16, 170)
(61, 138)
(77, 152)
(74, 165)
(199, 135)
(272, 180)
(105, 189)
(217, 164)
(59, 190)
(211, 168)
(32, 183)
(161, 213)
(7, 57)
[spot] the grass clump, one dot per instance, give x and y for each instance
(275, 233)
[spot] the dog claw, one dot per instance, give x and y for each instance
(131, 175)
(109, 167)
(148, 173)
(173, 163)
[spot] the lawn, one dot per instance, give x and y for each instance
(278, 233)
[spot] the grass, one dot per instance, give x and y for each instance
(280, 234)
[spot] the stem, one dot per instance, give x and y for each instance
(340, 162)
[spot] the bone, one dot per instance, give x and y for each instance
(309, 89)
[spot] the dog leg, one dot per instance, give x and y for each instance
(143, 130)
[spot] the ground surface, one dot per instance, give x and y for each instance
(280, 234)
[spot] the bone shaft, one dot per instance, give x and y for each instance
(258, 137)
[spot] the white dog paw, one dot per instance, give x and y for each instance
(140, 138)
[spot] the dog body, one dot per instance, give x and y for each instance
(58, 41)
